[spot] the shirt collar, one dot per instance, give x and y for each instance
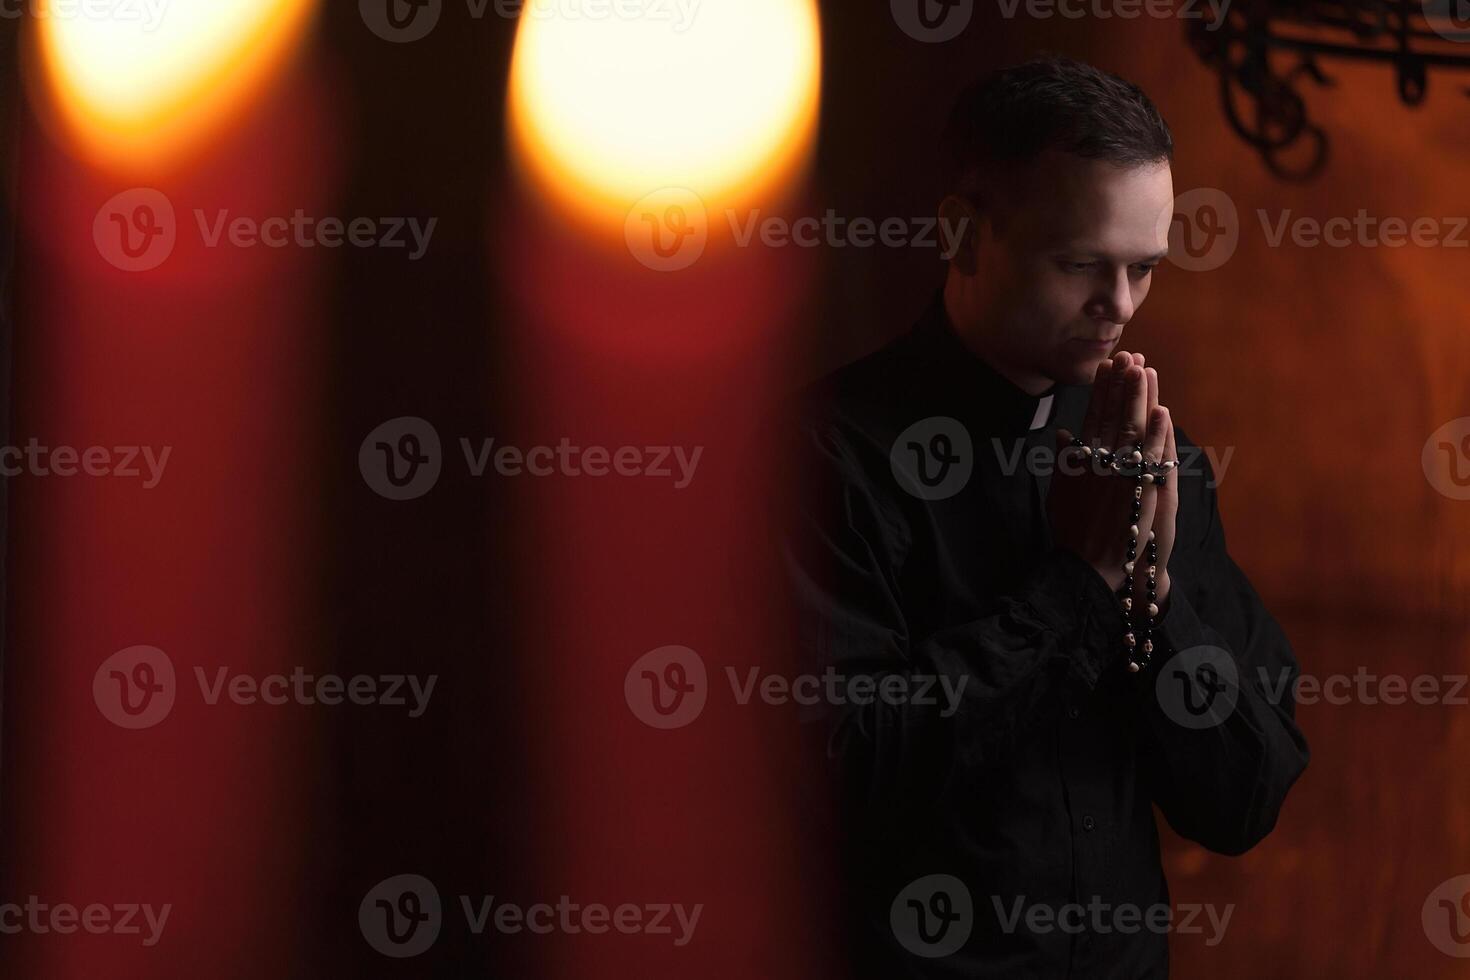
(992, 396)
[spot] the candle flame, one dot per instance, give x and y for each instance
(719, 98)
(137, 85)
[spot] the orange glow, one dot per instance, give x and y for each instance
(718, 98)
(139, 93)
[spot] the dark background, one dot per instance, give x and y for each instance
(1326, 369)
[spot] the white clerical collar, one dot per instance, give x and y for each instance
(1043, 412)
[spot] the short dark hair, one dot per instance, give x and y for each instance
(1011, 116)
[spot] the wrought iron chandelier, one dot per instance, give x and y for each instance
(1260, 95)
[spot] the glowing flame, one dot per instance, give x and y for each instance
(716, 96)
(139, 83)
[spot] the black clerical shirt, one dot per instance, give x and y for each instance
(999, 798)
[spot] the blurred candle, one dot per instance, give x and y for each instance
(190, 361)
(643, 321)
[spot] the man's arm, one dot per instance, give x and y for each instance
(1221, 785)
(1050, 636)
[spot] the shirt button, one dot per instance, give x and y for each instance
(1089, 824)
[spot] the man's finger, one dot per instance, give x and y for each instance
(1112, 407)
(1133, 418)
(1155, 442)
(1092, 422)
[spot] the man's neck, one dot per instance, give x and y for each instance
(973, 336)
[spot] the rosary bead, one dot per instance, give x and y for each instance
(1128, 567)
(1132, 667)
(1148, 646)
(1153, 610)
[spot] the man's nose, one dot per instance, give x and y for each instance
(1114, 300)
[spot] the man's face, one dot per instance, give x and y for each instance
(1068, 263)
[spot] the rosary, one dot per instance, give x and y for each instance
(1134, 466)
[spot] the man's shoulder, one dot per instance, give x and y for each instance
(864, 399)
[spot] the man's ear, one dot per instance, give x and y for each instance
(959, 232)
